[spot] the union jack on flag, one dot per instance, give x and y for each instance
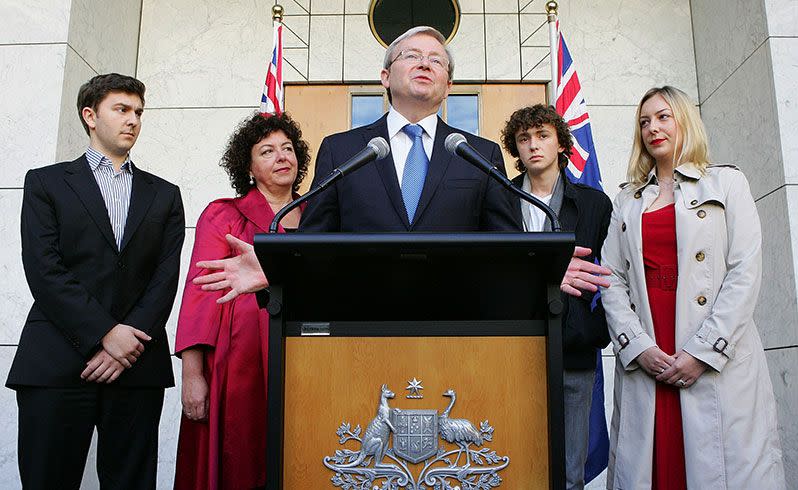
(271, 102)
(583, 168)
(583, 165)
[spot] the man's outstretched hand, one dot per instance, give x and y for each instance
(241, 274)
(582, 275)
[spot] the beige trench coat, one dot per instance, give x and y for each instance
(729, 413)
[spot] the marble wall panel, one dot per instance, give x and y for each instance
(501, 7)
(106, 34)
(743, 126)
(784, 56)
(326, 7)
(535, 64)
(783, 366)
(363, 54)
(34, 21)
(32, 78)
(72, 138)
(296, 29)
(621, 49)
(471, 6)
(726, 33)
(295, 65)
(613, 128)
(295, 6)
(184, 147)
(776, 313)
(468, 48)
(203, 53)
(503, 51)
(15, 301)
(326, 48)
(9, 473)
(357, 6)
(782, 17)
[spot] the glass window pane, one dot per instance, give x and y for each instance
(462, 112)
(366, 109)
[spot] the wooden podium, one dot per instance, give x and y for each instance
(471, 322)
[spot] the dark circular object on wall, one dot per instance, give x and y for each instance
(390, 18)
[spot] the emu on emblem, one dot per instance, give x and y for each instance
(416, 436)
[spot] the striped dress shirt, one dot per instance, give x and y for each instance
(115, 188)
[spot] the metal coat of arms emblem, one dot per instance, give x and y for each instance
(416, 437)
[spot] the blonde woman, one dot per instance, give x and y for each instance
(694, 404)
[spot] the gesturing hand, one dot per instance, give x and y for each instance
(124, 343)
(654, 361)
(241, 274)
(102, 368)
(583, 275)
(684, 371)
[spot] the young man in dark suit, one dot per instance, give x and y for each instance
(101, 242)
(541, 141)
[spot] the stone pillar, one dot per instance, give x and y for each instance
(747, 66)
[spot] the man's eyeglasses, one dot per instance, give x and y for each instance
(413, 56)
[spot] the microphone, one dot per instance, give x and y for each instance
(456, 144)
(376, 149)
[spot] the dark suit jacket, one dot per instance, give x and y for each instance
(586, 212)
(82, 285)
(456, 197)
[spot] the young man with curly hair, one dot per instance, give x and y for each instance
(541, 141)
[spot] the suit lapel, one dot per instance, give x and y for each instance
(141, 196)
(437, 168)
(80, 179)
(387, 169)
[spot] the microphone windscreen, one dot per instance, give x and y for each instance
(453, 141)
(380, 146)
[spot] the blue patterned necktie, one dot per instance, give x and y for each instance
(415, 170)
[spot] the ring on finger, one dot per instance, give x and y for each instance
(680, 383)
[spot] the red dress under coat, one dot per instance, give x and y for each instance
(661, 266)
(228, 450)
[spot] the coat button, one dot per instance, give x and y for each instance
(638, 194)
(694, 202)
(701, 300)
(701, 213)
(623, 226)
(700, 256)
(634, 308)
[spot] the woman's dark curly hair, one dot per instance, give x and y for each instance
(237, 158)
(534, 117)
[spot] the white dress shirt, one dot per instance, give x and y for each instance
(534, 217)
(401, 142)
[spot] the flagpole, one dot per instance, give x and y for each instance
(277, 12)
(551, 10)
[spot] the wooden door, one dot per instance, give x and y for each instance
(326, 109)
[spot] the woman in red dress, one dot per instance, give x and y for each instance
(693, 403)
(223, 347)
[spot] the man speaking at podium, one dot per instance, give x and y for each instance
(419, 186)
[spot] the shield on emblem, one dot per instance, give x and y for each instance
(416, 436)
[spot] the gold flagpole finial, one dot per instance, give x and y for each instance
(277, 12)
(551, 7)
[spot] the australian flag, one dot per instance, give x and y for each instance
(583, 168)
(271, 100)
